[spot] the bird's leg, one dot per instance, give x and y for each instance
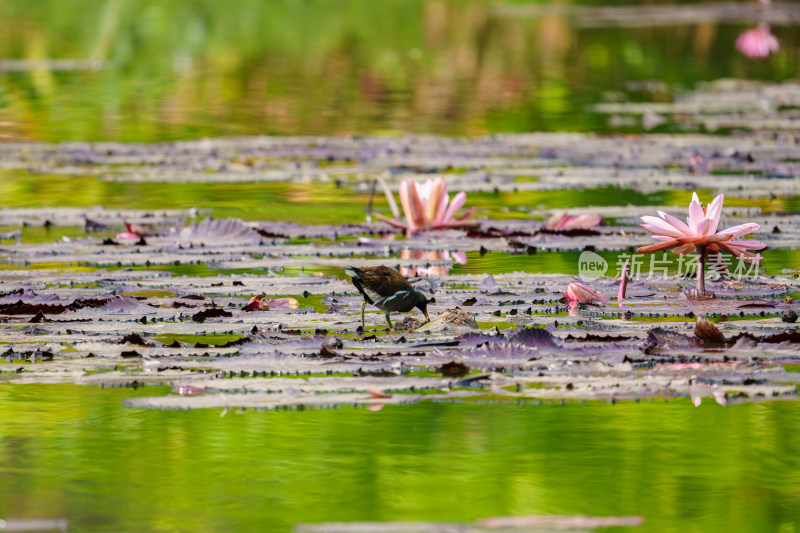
(389, 320)
(363, 305)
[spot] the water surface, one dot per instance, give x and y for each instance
(77, 453)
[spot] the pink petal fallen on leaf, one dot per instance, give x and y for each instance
(563, 220)
(580, 293)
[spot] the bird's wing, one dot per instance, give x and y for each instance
(381, 282)
(399, 301)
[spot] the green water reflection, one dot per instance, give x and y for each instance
(191, 68)
(68, 451)
(293, 202)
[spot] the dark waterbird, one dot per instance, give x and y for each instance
(386, 289)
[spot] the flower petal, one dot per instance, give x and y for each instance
(424, 190)
(676, 223)
(584, 221)
(441, 209)
(395, 223)
(433, 207)
(455, 204)
(747, 257)
(741, 229)
(466, 215)
(702, 227)
(696, 213)
(718, 238)
(660, 227)
(578, 292)
(713, 213)
(555, 220)
(657, 247)
(412, 205)
(746, 245)
(684, 249)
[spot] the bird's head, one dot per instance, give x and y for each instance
(421, 303)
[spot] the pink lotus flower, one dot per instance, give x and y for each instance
(428, 206)
(564, 221)
(700, 233)
(580, 293)
(758, 42)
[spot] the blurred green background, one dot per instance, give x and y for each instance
(178, 69)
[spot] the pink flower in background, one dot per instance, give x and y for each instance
(564, 221)
(428, 206)
(580, 293)
(758, 42)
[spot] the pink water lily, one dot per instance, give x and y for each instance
(580, 293)
(758, 42)
(428, 206)
(699, 233)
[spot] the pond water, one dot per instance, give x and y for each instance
(76, 452)
(159, 71)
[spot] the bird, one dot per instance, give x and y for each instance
(386, 289)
